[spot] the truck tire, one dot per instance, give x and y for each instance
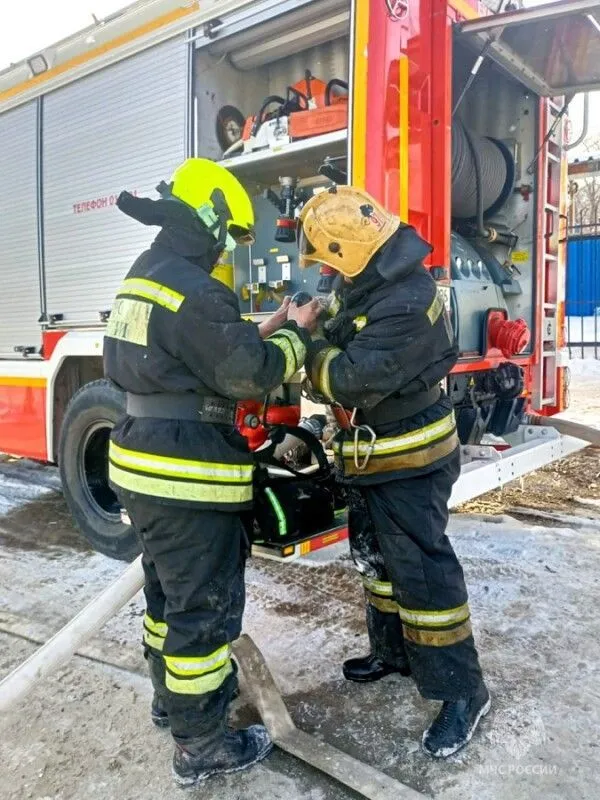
(83, 463)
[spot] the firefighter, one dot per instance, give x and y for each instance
(380, 363)
(176, 345)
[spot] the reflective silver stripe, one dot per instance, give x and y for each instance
(213, 493)
(180, 467)
(324, 377)
(201, 685)
(157, 642)
(434, 619)
(159, 628)
(383, 588)
(407, 441)
(151, 290)
(198, 665)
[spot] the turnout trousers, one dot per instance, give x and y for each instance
(416, 598)
(194, 568)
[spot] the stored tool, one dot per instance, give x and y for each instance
(311, 107)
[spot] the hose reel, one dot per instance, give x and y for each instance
(483, 174)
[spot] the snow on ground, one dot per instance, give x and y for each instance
(22, 481)
(84, 733)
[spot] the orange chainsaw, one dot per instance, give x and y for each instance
(311, 108)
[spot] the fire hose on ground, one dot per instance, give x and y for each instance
(257, 681)
(257, 684)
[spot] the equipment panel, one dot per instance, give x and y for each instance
(269, 270)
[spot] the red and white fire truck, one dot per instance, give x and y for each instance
(450, 115)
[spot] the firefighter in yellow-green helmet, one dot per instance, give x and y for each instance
(177, 347)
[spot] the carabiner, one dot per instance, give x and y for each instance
(358, 429)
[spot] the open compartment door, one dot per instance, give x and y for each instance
(553, 49)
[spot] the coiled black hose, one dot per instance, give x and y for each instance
(482, 174)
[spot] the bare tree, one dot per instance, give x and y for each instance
(585, 191)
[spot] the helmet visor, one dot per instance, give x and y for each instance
(243, 236)
(305, 247)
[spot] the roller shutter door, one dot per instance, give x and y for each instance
(120, 128)
(19, 266)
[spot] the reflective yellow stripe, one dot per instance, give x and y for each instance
(179, 467)
(180, 490)
(295, 341)
(150, 290)
(157, 642)
(415, 459)
(408, 441)
(293, 349)
(360, 322)
(435, 619)
(438, 638)
(129, 320)
(324, 379)
(436, 308)
(383, 604)
(198, 665)
(159, 628)
(383, 588)
(289, 356)
(201, 685)
(334, 305)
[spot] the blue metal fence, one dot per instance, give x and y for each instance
(583, 291)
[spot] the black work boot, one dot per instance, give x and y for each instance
(370, 668)
(156, 668)
(230, 751)
(456, 723)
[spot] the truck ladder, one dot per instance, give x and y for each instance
(550, 291)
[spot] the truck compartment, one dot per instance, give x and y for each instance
(499, 117)
(298, 105)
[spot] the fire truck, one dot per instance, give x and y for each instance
(450, 115)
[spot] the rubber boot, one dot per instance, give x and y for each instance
(371, 668)
(228, 751)
(388, 654)
(454, 726)
(156, 668)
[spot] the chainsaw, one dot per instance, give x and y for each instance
(311, 108)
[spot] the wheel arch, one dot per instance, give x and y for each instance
(75, 361)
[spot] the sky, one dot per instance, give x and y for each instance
(31, 25)
(26, 27)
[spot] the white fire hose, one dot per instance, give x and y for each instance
(63, 645)
(257, 681)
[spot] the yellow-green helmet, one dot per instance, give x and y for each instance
(212, 190)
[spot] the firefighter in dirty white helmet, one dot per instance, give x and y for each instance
(388, 346)
(176, 345)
